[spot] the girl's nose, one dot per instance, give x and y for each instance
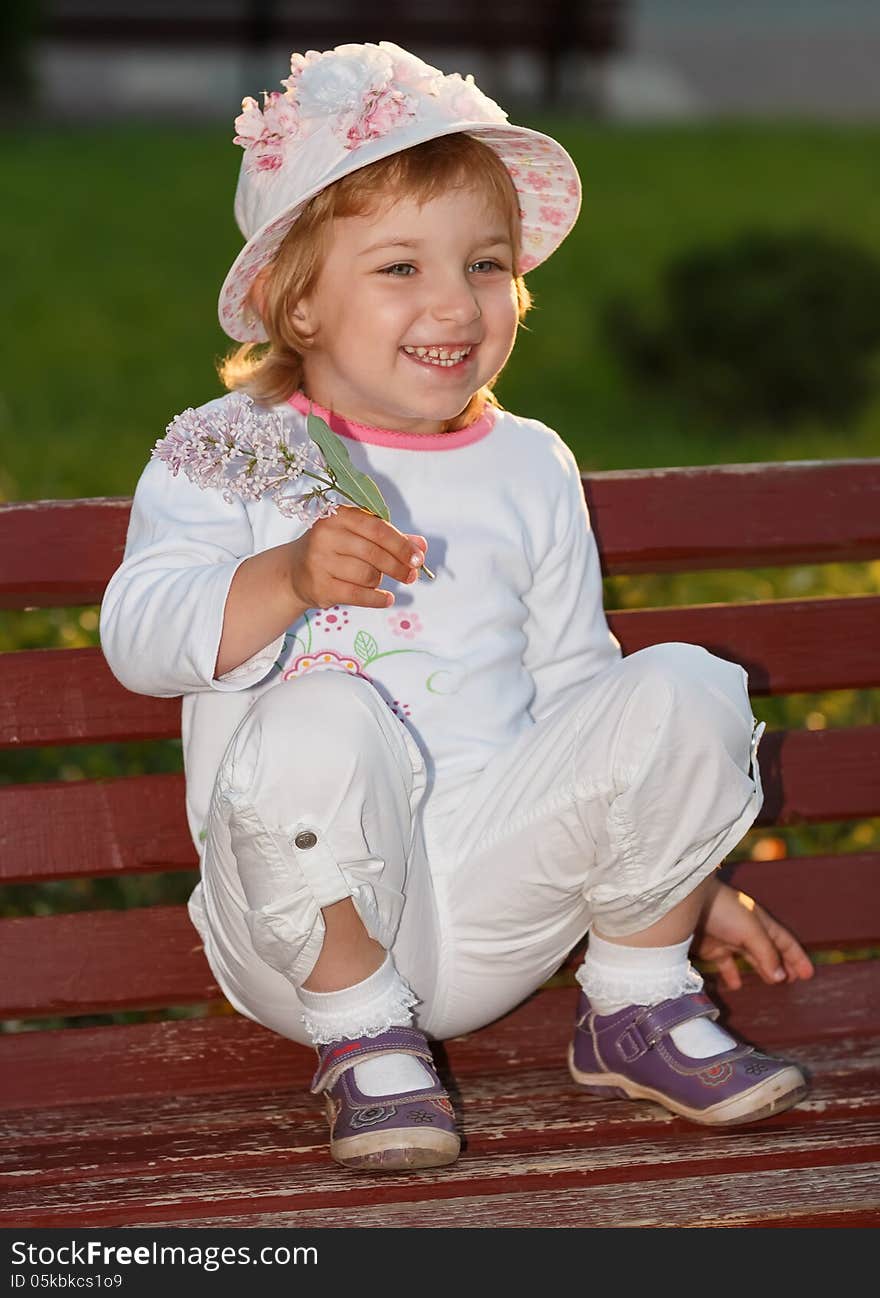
(461, 306)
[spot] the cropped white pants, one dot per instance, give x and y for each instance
(612, 809)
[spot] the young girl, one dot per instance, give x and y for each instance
(411, 804)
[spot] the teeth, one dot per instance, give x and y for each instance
(438, 355)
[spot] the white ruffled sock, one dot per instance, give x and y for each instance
(381, 1001)
(614, 976)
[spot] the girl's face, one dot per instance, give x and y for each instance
(433, 276)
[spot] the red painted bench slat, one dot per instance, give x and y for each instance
(764, 1199)
(256, 1152)
(822, 898)
(286, 1169)
(149, 957)
(234, 1055)
(69, 696)
(102, 960)
(499, 1175)
(83, 828)
(735, 515)
(790, 646)
(646, 520)
(93, 827)
(135, 1134)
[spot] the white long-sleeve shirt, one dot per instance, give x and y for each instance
(513, 621)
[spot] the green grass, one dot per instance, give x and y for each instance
(118, 240)
(649, 193)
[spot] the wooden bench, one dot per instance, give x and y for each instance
(207, 1121)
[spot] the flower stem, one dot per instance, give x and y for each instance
(332, 483)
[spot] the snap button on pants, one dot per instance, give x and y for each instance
(613, 808)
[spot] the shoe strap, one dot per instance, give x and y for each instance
(336, 1056)
(647, 1028)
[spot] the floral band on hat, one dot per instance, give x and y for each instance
(359, 91)
(344, 108)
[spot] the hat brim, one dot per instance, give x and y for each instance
(543, 173)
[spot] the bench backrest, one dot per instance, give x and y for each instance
(62, 553)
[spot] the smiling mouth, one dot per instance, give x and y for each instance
(436, 359)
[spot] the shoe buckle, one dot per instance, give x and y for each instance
(631, 1044)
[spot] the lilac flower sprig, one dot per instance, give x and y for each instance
(244, 452)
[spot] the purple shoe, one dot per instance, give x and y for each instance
(630, 1054)
(384, 1133)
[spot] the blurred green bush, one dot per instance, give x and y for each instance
(767, 328)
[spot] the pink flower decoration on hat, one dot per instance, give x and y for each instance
(262, 133)
(380, 113)
(353, 87)
(361, 90)
(337, 81)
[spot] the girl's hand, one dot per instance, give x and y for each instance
(342, 558)
(732, 923)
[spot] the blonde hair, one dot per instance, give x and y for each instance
(272, 371)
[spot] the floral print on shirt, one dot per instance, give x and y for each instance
(365, 649)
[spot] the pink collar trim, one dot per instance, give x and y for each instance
(390, 436)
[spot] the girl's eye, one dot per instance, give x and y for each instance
(389, 270)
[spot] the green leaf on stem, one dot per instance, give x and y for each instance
(359, 486)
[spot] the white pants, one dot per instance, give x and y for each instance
(612, 809)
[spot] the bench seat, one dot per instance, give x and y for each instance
(208, 1121)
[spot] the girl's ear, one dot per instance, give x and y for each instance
(302, 313)
(303, 317)
(257, 296)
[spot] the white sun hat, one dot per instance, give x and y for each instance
(347, 107)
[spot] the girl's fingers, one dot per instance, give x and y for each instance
(761, 952)
(726, 966)
(797, 963)
(378, 544)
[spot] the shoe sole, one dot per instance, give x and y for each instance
(774, 1095)
(377, 1151)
